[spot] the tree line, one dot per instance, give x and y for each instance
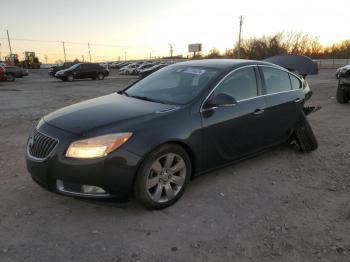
(283, 43)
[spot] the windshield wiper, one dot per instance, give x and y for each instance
(142, 98)
(124, 93)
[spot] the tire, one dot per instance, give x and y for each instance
(304, 135)
(70, 78)
(342, 95)
(10, 77)
(157, 187)
(100, 76)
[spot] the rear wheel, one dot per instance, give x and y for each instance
(162, 177)
(10, 77)
(100, 76)
(343, 96)
(304, 135)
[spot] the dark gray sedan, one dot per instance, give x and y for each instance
(181, 121)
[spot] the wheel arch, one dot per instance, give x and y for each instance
(182, 144)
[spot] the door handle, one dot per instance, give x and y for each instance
(297, 100)
(258, 111)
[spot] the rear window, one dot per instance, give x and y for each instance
(276, 80)
(296, 83)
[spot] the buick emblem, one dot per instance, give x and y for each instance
(30, 141)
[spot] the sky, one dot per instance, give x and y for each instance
(144, 28)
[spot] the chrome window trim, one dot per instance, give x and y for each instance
(42, 159)
(258, 96)
(288, 72)
(222, 79)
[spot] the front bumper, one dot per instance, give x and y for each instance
(60, 76)
(114, 173)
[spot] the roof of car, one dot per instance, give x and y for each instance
(223, 63)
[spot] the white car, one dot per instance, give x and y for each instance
(129, 69)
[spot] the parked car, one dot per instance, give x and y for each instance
(144, 66)
(148, 71)
(13, 72)
(2, 73)
(130, 69)
(343, 90)
(82, 71)
(341, 70)
(179, 122)
(54, 69)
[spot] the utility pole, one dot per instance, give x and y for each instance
(89, 52)
(125, 55)
(0, 52)
(150, 54)
(8, 39)
(239, 37)
(64, 52)
(82, 57)
(45, 56)
(171, 49)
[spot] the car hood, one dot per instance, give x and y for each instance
(62, 71)
(99, 113)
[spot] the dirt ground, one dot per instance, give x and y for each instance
(279, 206)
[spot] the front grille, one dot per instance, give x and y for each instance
(40, 145)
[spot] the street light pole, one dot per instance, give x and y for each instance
(239, 37)
(64, 52)
(171, 49)
(8, 39)
(89, 51)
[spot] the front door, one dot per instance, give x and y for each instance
(232, 132)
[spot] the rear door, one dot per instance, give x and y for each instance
(232, 132)
(92, 70)
(283, 102)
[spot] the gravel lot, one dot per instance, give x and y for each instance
(279, 206)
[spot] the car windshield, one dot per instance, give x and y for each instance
(74, 66)
(173, 84)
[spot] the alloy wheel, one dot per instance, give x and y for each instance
(166, 177)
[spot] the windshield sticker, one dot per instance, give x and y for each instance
(194, 71)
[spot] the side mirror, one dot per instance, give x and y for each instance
(221, 100)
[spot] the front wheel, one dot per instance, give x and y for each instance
(100, 76)
(10, 77)
(342, 95)
(162, 177)
(70, 78)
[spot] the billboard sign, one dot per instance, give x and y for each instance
(194, 48)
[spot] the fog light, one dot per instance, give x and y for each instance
(92, 189)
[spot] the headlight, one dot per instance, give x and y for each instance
(97, 146)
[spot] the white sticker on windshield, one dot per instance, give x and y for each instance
(194, 71)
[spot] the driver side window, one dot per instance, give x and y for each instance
(240, 84)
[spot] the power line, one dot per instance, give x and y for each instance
(67, 42)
